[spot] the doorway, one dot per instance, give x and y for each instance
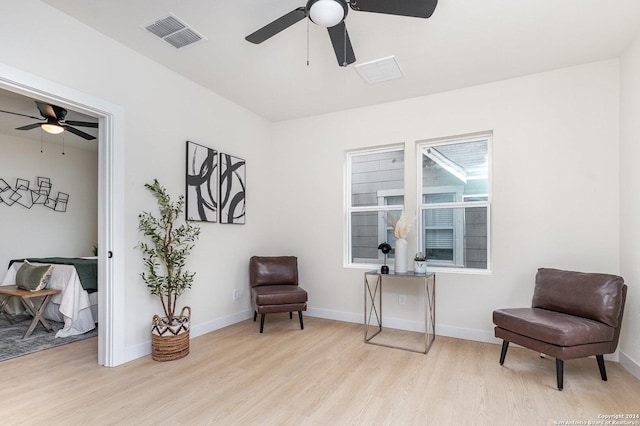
(110, 200)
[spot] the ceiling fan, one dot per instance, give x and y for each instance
(55, 121)
(331, 14)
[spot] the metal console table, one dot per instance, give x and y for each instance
(373, 291)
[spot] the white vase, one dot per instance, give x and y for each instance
(401, 262)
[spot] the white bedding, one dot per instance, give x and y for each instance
(74, 306)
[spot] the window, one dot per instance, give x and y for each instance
(454, 201)
(375, 189)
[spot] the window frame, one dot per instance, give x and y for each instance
(379, 208)
(458, 246)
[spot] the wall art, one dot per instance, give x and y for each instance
(202, 183)
(24, 195)
(232, 189)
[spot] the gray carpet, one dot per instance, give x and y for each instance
(12, 345)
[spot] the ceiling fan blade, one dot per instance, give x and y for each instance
(415, 8)
(276, 26)
(29, 126)
(340, 40)
(46, 110)
(81, 123)
(79, 132)
(21, 115)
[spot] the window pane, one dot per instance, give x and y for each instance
(456, 237)
(443, 197)
(460, 169)
(376, 176)
(368, 231)
(475, 237)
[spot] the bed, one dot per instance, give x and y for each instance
(77, 305)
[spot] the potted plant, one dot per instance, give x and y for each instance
(420, 264)
(166, 277)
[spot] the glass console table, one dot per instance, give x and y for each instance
(373, 282)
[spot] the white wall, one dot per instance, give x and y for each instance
(630, 204)
(40, 231)
(555, 190)
(162, 110)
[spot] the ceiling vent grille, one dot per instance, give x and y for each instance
(379, 70)
(175, 32)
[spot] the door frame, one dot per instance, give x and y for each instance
(111, 348)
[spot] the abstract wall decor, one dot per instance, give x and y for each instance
(202, 183)
(232, 189)
(22, 194)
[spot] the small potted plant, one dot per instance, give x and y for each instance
(420, 264)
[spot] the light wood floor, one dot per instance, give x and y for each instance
(323, 375)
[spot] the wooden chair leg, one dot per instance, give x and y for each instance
(603, 371)
(559, 372)
(38, 315)
(255, 315)
(503, 353)
(261, 322)
(300, 317)
(290, 315)
(3, 312)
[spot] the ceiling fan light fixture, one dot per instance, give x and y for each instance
(53, 128)
(327, 13)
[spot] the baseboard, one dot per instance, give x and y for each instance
(136, 351)
(467, 334)
(409, 325)
(629, 364)
(335, 315)
(144, 349)
(219, 323)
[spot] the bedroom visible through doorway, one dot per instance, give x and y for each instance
(110, 198)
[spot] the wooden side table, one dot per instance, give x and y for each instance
(373, 306)
(26, 296)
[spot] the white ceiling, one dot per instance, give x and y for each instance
(464, 43)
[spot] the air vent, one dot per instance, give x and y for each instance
(379, 70)
(175, 32)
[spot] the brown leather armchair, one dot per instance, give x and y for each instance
(572, 315)
(274, 287)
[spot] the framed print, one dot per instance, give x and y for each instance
(202, 183)
(232, 189)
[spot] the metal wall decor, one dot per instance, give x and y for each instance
(22, 194)
(202, 183)
(232, 189)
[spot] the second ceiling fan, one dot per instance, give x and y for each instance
(55, 121)
(331, 14)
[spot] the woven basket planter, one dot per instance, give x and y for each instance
(170, 341)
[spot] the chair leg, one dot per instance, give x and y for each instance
(559, 372)
(603, 371)
(290, 315)
(503, 353)
(255, 315)
(300, 316)
(261, 322)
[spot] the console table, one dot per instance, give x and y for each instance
(373, 282)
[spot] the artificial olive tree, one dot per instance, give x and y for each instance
(166, 253)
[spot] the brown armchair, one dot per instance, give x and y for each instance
(572, 315)
(274, 287)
